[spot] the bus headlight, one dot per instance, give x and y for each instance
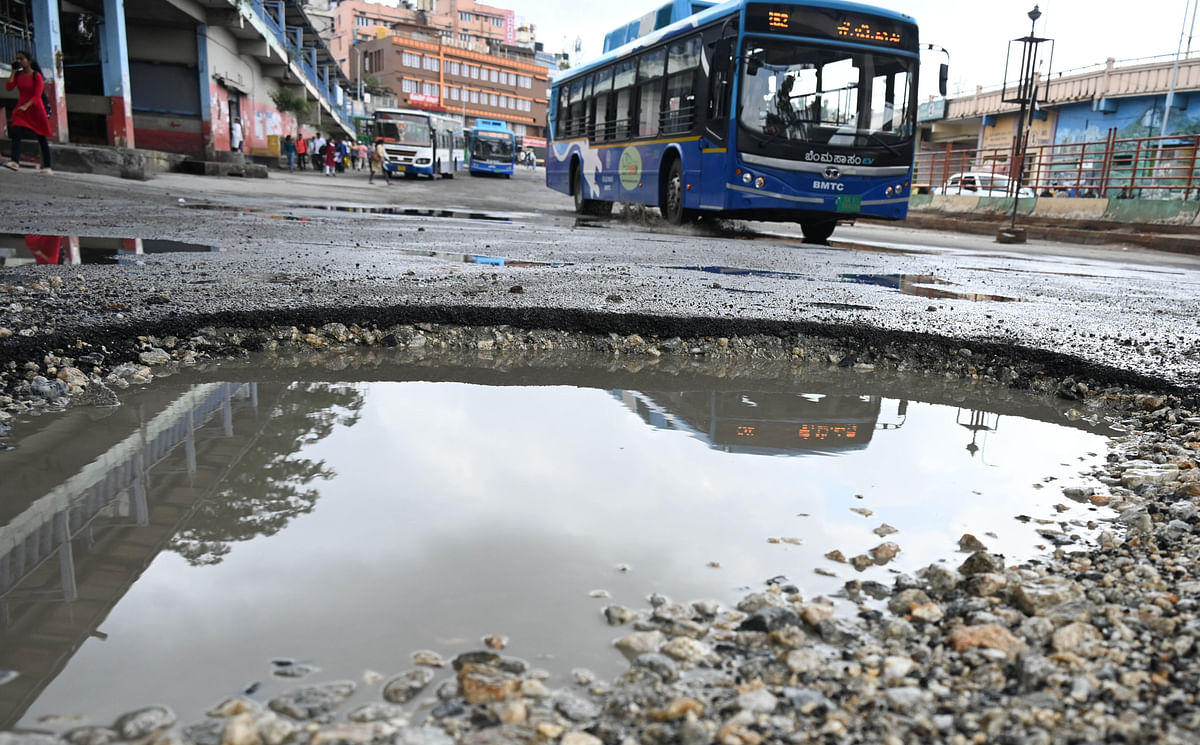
(747, 178)
(759, 182)
(890, 191)
(423, 161)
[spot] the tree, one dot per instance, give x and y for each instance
(289, 103)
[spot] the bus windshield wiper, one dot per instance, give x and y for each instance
(878, 139)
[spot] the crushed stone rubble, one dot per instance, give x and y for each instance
(1096, 641)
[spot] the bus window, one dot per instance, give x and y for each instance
(623, 79)
(577, 111)
(560, 116)
(683, 57)
(650, 90)
(890, 95)
(600, 98)
(720, 75)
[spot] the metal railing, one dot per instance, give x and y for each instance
(1164, 168)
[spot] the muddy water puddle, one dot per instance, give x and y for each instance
(248, 529)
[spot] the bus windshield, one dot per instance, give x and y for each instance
(824, 96)
(492, 147)
(403, 130)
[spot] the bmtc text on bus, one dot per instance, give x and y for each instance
(491, 148)
(419, 143)
(796, 111)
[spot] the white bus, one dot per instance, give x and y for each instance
(419, 142)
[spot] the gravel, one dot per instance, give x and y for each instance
(1093, 642)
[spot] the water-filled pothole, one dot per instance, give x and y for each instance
(344, 519)
(18, 249)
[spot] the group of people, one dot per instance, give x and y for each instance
(335, 155)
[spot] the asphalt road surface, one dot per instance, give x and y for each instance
(302, 245)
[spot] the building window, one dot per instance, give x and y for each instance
(464, 16)
(451, 68)
(474, 96)
(431, 89)
(474, 72)
(524, 81)
(498, 22)
(431, 63)
(408, 59)
(408, 86)
(492, 100)
(451, 93)
(361, 21)
(519, 130)
(495, 75)
(464, 37)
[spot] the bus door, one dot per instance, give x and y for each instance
(714, 137)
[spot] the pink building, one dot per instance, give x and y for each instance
(464, 21)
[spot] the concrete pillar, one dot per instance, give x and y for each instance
(47, 43)
(114, 64)
(206, 129)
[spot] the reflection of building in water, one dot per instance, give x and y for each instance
(764, 421)
(71, 550)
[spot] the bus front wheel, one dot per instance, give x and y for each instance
(817, 231)
(671, 205)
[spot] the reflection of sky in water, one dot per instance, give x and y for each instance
(460, 511)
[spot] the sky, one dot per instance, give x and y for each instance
(975, 34)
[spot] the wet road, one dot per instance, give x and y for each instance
(302, 247)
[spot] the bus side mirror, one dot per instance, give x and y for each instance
(943, 77)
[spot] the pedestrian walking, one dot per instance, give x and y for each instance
(354, 156)
(289, 152)
(31, 116)
(331, 156)
(378, 156)
(343, 156)
(317, 148)
(301, 151)
(363, 154)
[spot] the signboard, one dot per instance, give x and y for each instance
(510, 27)
(932, 110)
(422, 98)
(533, 141)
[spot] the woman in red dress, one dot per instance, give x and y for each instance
(29, 117)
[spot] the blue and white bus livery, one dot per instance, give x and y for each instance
(784, 111)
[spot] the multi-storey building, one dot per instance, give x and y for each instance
(474, 25)
(430, 70)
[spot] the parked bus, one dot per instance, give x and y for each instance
(491, 148)
(419, 142)
(785, 111)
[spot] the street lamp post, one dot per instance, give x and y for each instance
(1025, 94)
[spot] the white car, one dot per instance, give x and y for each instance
(980, 184)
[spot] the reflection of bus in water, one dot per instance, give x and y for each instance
(419, 142)
(768, 422)
(491, 148)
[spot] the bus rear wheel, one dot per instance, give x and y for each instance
(671, 205)
(597, 207)
(817, 231)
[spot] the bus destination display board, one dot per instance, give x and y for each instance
(827, 23)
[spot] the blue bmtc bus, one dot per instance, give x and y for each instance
(491, 148)
(783, 111)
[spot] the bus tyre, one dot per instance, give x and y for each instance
(581, 204)
(671, 205)
(817, 231)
